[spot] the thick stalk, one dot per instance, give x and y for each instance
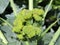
(27, 43)
(30, 4)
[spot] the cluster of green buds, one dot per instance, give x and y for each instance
(26, 24)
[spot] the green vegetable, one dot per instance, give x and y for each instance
(24, 24)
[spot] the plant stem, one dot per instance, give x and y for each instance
(48, 8)
(30, 4)
(56, 35)
(49, 28)
(3, 38)
(27, 43)
(6, 22)
(13, 7)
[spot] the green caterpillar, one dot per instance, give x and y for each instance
(26, 23)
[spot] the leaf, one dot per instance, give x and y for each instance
(47, 7)
(3, 5)
(33, 43)
(47, 38)
(58, 41)
(10, 36)
(14, 43)
(10, 18)
(8, 33)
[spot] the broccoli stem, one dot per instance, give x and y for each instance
(3, 38)
(27, 43)
(30, 4)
